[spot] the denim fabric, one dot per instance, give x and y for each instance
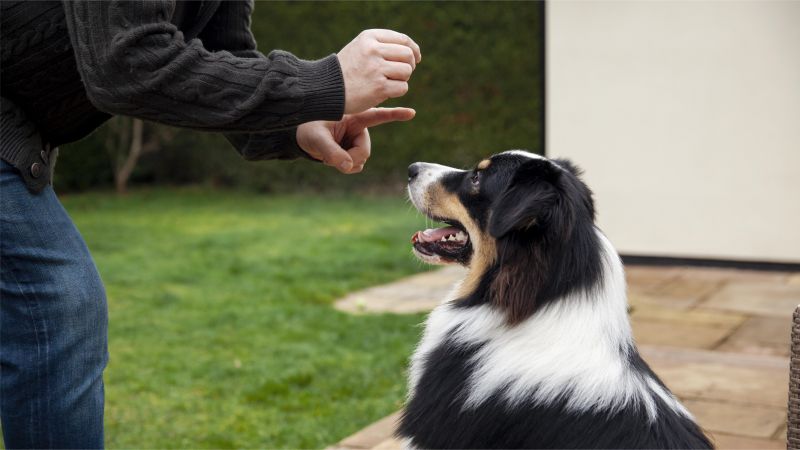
(53, 324)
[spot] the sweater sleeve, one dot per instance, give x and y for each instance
(134, 62)
(229, 30)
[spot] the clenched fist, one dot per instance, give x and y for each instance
(376, 66)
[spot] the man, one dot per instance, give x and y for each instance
(66, 68)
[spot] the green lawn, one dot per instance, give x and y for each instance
(222, 332)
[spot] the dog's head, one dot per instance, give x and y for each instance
(515, 219)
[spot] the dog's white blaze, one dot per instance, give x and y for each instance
(570, 349)
(530, 155)
(523, 153)
(428, 174)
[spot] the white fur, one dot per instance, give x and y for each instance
(530, 155)
(569, 349)
(523, 153)
(427, 175)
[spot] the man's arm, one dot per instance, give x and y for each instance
(229, 29)
(135, 62)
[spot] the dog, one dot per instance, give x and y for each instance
(533, 349)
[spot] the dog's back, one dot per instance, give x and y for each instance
(437, 416)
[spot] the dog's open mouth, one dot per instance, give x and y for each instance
(443, 245)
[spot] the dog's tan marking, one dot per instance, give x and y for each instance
(484, 164)
(446, 204)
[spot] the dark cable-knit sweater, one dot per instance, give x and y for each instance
(69, 66)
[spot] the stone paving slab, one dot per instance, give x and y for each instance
(418, 293)
(761, 298)
(720, 274)
(734, 419)
(651, 277)
(657, 325)
(733, 442)
(725, 377)
(761, 335)
(638, 295)
(373, 435)
(678, 334)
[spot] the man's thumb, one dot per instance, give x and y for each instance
(335, 156)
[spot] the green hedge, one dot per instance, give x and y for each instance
(478, 90)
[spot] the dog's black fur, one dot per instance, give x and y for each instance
(541, 216)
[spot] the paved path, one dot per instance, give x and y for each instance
(718, 338)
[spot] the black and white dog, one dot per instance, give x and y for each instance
(533, 349)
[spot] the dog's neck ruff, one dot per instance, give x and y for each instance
(577, 350)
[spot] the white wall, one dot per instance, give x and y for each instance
(685, 116)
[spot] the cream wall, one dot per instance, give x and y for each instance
(686, 117)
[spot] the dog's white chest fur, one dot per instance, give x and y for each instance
(573, 349)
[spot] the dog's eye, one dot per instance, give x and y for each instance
(476, 178)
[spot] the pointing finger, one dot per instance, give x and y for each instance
(376, 116)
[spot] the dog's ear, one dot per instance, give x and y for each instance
(519, 280)
(528, 200)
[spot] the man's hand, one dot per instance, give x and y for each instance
(345, 144)
(376, 66)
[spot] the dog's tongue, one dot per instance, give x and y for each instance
(433, 234)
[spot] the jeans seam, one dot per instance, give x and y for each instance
(30, 304)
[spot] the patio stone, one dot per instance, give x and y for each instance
(679, 293)
(726, 441)
(722, 319)
(758, 298)
(761, 335)
(677, 334)
(727, 377)
(685, 287)
(649, 277)
(389, 444)
(638, 295)
(418, 293)
(372, 435)
(654, 325)
(731, 418)
(781, 433)
(721, 274)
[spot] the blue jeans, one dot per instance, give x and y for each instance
(53, 327)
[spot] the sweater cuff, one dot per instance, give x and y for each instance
(260, 146)
(322, 83)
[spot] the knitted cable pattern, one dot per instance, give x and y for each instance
(135, 63)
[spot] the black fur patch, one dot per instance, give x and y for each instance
(435, 417)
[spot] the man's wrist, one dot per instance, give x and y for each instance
(322, 85)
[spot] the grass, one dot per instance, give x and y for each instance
(222, 332)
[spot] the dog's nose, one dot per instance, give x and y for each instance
(413, 171)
